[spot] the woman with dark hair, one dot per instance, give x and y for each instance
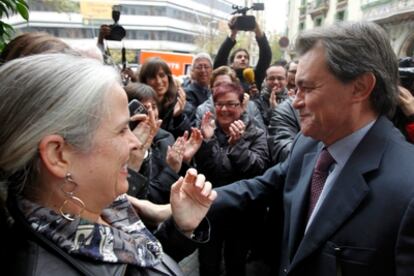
(171, 97)
(33, 43)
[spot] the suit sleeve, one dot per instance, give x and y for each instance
(404, 256)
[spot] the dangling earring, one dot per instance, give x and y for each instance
(71, 198)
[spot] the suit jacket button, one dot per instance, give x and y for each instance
(285, 270)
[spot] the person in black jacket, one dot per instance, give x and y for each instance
(239, 58)
(233, 148)
(198, 90)
(65, 171)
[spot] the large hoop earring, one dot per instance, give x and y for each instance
(75, 200)
(71, 198)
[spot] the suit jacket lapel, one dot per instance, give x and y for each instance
(347, 193)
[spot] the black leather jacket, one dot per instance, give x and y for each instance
(283, 127)
(29, 253)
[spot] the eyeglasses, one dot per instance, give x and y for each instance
(227, 105)
(201, 67)
(272, 78)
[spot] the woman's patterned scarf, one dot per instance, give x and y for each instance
(126, 240)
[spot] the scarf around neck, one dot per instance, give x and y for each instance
(126, 239)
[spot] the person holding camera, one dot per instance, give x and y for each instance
(239, 59)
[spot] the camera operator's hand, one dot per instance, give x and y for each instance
(129, 74)
(232, 26)
(406, 101)
(258, 31)
(104, 33)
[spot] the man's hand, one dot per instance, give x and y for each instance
(104, 32)
(191, 197)
(232, 27)
(272, 99)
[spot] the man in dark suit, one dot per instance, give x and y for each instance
(358, 218)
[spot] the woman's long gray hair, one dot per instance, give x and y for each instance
(47, 94)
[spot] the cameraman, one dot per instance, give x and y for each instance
(239, 59)
(105, 34)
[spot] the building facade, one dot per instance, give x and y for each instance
(150, 25)
(395, 16)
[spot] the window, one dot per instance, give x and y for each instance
(340, 16)
(318, 21)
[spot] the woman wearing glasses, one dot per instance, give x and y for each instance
(233, 148)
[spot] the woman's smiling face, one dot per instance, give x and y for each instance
(101, 172)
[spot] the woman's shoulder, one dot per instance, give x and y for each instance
(39, 257)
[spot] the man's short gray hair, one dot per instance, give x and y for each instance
(355, 48)
(202, 56)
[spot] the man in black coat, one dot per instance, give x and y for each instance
(240, 58)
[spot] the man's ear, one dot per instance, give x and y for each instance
(363, 86)
(55, 153)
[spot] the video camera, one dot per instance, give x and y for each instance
(246, 22)
(406, 71)
(117, 31)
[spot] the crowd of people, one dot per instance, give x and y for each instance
(302, 169)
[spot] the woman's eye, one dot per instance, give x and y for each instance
(124, 130)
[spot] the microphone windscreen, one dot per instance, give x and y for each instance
(248, 75)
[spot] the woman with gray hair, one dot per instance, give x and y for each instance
(65, 148)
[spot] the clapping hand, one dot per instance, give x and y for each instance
(406, 101)
(145, 132)
(175, 153)
(272, 99)
(181, 100)
(236, 131)
(192, 144)
(207, 126)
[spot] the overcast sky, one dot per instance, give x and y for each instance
(276, 14)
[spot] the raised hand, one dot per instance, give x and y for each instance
(145, 132)
(245, 103)
(175, 152)
(272, 99)
(406, 101)
(191, 197)
(207, 125)
(181, 100)
(236, 131)
(192, 144)
(232, 27)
